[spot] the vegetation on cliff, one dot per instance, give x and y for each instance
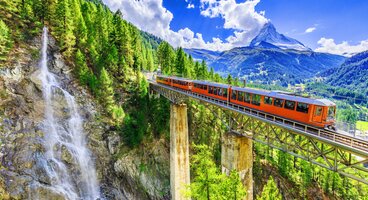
(108, 55)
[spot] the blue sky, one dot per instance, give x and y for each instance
(335, 26)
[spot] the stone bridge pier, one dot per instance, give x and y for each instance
(179, 151)
(237, 154)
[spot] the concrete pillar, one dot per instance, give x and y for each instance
(179, 151)
(236, 153)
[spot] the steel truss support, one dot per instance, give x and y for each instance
(313, 149)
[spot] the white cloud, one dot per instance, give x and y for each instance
(152, 17)
(190, 6)
(310, 30)
(239, 16)
(328, 45)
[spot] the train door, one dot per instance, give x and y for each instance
(317, 114)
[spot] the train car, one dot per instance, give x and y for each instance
(166, 80)
(181, 83)
(315, 112)
(215, 90)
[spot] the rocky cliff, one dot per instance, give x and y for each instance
(122, 173)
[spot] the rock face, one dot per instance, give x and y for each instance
(134, 174)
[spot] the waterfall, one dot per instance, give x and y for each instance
(64, 137)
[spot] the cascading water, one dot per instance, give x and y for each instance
(63, 136)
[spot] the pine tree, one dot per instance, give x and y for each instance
(197, 73)
(180, 62)
(282, 163)
(307, 174)
(212, 74)
(229, 79)
(166, 57)
(236, 81)
(120, 35)
(106, 91)
(82, 70)
(112, 59)
(206, 176)
(150, 63)
(231, 187)
(80, 30)
(64, 27)
(189, 72)
(5, 40)
(202, 71)
(270, 191)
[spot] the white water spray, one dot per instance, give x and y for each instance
(64, 137)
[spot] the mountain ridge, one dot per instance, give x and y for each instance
(352, 74)
(269, 35)
(271, 58)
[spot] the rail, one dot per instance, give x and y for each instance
(349, 143)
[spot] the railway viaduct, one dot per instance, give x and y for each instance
(341, 153)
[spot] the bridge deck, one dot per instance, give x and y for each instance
(346, 142)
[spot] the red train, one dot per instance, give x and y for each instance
(315, 112)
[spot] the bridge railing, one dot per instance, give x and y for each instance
(352, 130)
(354, 144)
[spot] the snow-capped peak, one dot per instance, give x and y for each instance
(268, 34)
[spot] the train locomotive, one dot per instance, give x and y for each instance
(314, 112)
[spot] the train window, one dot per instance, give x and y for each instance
(210, 90)
(302, 107)
(289, 105)
(331, 113)
(224, 94)
(215, 91)
(240, 96)
(256, 99)
(318, 111)
(220, 91)
(278, 102)
(247, 98)
(233, 95)
(204, 87)
(268, 100)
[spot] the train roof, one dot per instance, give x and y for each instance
(286, 96)
(211, 84)
(275, 94)
(179, 78)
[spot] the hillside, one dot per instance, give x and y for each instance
(352, 74)
(268, 65)
(77, 120)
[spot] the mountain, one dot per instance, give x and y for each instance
(352, 74)
(270, 58)
(269, 36)
(268, 65)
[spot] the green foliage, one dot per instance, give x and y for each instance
(5, 40)
(347, 115)
(229, 79)
(202, 73)
(106, 91)
(159, 115)
(136, 122)
(117, 114)
(283, 163)
(166, 58)
(64, 26)
(270, 191)
(180, 62)
(208, 182)
(231, 187)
